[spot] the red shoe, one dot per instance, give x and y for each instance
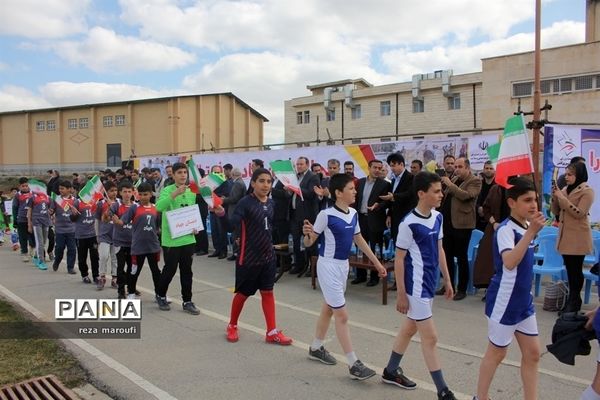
(278, 338)
(232, 333)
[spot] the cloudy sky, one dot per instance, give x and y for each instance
(66, 52)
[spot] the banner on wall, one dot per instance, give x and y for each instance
(424, 150)
(563, 142)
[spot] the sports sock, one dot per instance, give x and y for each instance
(236, 308)
(316, 344)
(351, 358)
(268, 306)
(438, 380)
(394, 362)
(590, 394)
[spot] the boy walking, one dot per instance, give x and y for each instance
(107, 253)
(336, 228)
(144, 241)
(19, 212)
(122, 235)
(38, 221)
(418, 253)
(63, 210)
(509, 303)
(255, 265)
(87, 242)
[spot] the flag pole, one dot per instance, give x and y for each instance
(536, 98)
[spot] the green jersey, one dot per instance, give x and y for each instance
(167, 203)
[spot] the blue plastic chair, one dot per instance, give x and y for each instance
(476, 236)
(552, 265)
(539, 254)
(589, 277)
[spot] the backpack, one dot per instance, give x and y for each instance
(555, 296)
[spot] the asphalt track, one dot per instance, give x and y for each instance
(181, 356)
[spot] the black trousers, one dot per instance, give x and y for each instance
(83, 247)
(301, 257)
(373, 238)
(123, 258)
(456, 244)
(25, 237)
(138, 260)
(574, 265)
(177, 257)
(202, 237)
(51, 239)
(281, 231)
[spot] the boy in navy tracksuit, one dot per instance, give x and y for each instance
(144, 243)
(63, 210)
(122, 235)
(19, 212)
(85, 235)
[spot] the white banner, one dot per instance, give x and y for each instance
(184, 220)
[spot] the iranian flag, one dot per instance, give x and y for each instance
(92, 191)
(36, 186)
(210, 197)
(514, 157)
(57, 199)
(193, 176)
(284, 171)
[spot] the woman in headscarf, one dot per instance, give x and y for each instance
(572, 204)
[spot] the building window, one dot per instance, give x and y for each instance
(72, 123)
(357, 112)
(522, 89)
(566, 84)
(119, 120)
(113, 154)
(40, 126)
(584, 82)
(307, 117)
(598, 82)
(83, 123)
(418, 106)
(51, 125)
(454, 102)
(331, 115)
(385, 108)
(107, 120)
(549, 86)
(299, 117)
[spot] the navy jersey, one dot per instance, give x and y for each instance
(508, 298)
(105, 229)
(255, 220)
(39, 204)
(121, 234)
(20, 206)
(85, 222)
(419, 236)
(144, 220)
(62, 214)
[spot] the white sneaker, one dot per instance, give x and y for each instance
(25, 258)
(132, 296)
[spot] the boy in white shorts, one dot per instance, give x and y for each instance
(418, 253)
(336, 228)
(509, 303)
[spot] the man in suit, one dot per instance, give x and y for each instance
(301, 208)
(238, 190)
(371, 214)
(402, 198)
(458, 209)
(256, 164)
(281, 212)
(218, 225)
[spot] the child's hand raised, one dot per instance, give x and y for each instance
(537, 222)
(307, 228)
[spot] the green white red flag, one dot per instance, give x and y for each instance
(285, 172)
(514, 157)
(210, 197)
(36, 186)
(92, 191)
(193, 176)
(57, 199)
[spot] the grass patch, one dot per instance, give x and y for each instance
(22, 359)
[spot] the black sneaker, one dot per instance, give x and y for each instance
(321, 355)
(190, 307)
(446, 394)
(162, 303)
(397, 378)
(86, 279)
(360, 371)
(54, 267)
(122, 296)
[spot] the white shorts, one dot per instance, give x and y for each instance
(333, 276)
(419, 308)
(501, 335)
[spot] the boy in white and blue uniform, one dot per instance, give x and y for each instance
(418, 253)
(337, 228)
(509, 303)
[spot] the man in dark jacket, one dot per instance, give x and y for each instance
(238, 190)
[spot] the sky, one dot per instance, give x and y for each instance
(69, 52)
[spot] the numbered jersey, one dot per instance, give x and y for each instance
(144, 221)
(84, 225)
(39, 204)
(105, 229)
(121, 234)
(255, 220)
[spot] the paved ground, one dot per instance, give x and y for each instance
(186, 357)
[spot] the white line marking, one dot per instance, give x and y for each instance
(95, 352)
